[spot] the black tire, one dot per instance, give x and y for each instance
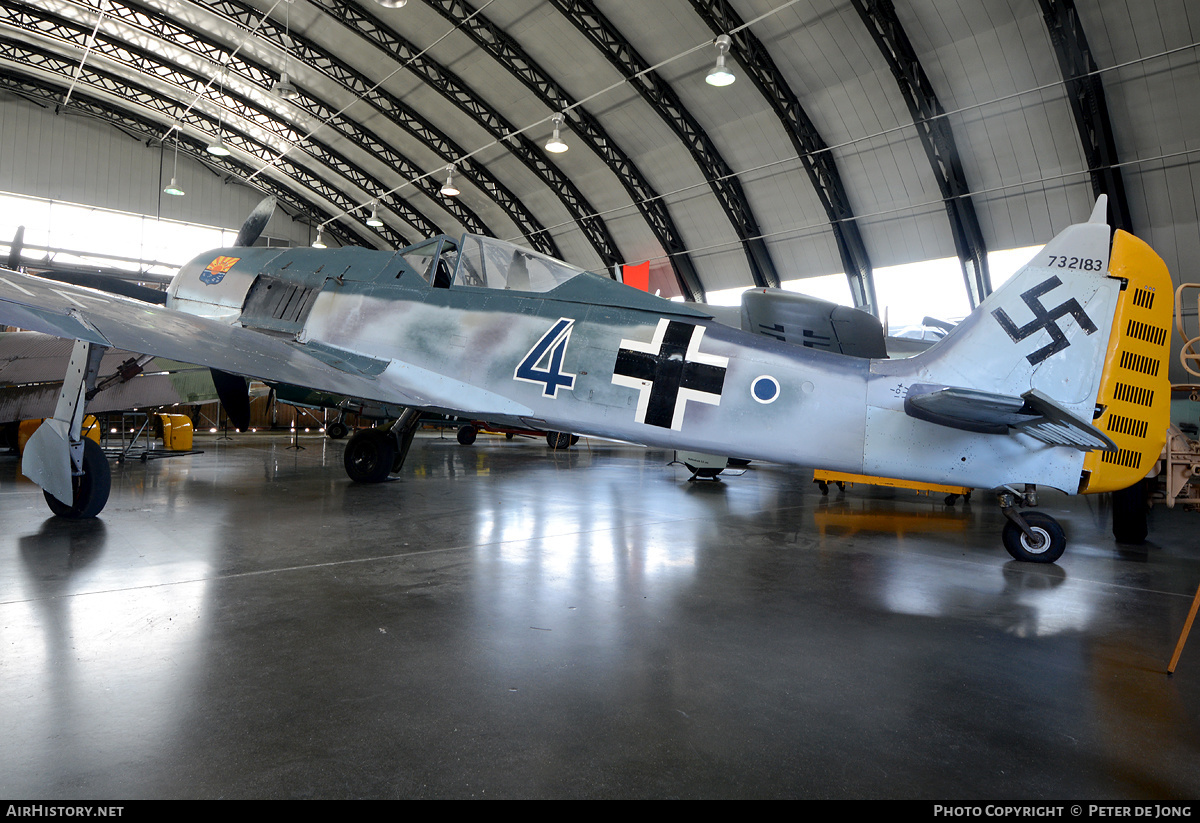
(369, 456)
(336, 430)
(509, 436)
(90, 490)
(467, 435)
(1054, 541)
(574, 439)
(1129, 514)
(558, 440)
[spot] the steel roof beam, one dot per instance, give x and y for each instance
(36, 87)
(937, 138)
(659, 94)
(184, 37)
(391, 107)
(170, 30)
(151, 63)
(506, 51)
(453, 88)
(814, 152)
(133, 95)
(1085, 93)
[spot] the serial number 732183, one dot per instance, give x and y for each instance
(1058, 261)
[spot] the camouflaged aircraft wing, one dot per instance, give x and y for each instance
(79, 313)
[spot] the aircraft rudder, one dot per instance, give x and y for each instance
(1134, 398)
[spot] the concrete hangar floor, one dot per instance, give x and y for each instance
(506, 621)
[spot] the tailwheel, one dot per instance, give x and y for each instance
(370, 456)
(703, 473)
(89, 489)
(336, 430)
(1045, 545)
(560, 440)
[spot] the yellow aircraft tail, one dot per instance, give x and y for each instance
(1135, 392)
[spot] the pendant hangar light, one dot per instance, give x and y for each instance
(448, 188)
(172, 188)
(391, 4)
(217, 148)
(556, 144)
(720, 74)
(319, 243)
(373, 221)
(283, 87)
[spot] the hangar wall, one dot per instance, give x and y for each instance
(78, 159)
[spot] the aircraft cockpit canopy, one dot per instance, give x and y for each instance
(485, 262)
(433, 259)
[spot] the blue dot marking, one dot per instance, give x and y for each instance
(765, 389)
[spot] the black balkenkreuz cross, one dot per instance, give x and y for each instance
(669, 371)
(1044, 319)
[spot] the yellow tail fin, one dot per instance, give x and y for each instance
(1135, 393)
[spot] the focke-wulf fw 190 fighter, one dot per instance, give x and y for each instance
(1058, 379)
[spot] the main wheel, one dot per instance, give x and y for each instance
(466, 435)
(370, 455)
(90, 490)
(336, 430)
(558, 440)
(1049, 544)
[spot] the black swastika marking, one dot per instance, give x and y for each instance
(1044, 318)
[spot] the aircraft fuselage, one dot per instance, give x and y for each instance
(595, 357)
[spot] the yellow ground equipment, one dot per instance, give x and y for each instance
(177, 432)
(91, 430)
(842, 479)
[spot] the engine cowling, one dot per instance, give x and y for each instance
(215, 284)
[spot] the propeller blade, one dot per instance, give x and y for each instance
(234, 393)
(256, 222)
(14, 251)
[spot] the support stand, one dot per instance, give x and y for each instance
(1187, 627)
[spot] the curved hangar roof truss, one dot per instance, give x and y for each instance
(863, 133)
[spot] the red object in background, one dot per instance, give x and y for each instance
(637, 276)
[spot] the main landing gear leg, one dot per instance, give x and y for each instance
(1033, 537)
(72, 471)
(372, 454)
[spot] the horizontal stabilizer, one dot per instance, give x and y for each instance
(1033, 413)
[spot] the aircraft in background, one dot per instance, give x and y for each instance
(32, 365)
(1057, 379)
